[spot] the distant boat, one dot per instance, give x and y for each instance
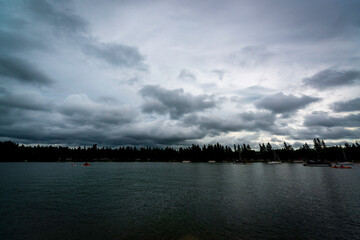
(341, 166)
(86, 164)
(211, 161)
(186, 161)
(298, 161)
(276, 159)
(73, 165)
(346, 162)
(313, 163)
(241, 160)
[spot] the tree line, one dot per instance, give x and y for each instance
(11, 151)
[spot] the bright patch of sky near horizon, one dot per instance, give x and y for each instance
(179, 72)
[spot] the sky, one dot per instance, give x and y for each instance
(176, 73)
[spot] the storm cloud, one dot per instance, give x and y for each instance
(170, 133)
(251, 121)
(24, 100)
(30, 117)
(131, 73)
(325, 120)
(331, 78)
(116, 54)
(80, 110)
(281, 103)
(325, 133)
(22, 71)
(11, 42)
(347, 106)
(176, 102)
(60, 19)
(57, 15)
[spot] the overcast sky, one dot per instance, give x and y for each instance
(156, 73)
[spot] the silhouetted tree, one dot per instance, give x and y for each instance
(268, 147)
(10, 151)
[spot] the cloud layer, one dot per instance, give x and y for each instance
(179, 72)
(281, 103)
(347, 106)
(324, 120)
(176, 102)
(20, 70)
(331, 78)
(116, 54)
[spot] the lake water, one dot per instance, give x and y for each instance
(178, 201)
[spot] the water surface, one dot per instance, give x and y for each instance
(178, 201)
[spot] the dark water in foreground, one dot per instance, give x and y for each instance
(178, 201)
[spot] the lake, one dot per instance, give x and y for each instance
(178, 201)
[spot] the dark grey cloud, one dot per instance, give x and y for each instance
(7, 116)
(174, 102)
(250, 121)
(61, 18)
(169, 135)
(80, 110)
(118, 55)
(85, 135)
(324, 133)
(331, 78)
(323, 119)
(77, 119)
(347, 106)
(9, 21)
(57, 15)
(34, 132)
(22, 108)
(11, 41)
(27, 27)
(77, 125)
(21, 70)
(281, 103)
(186, 75)
(58, 18)
(319, 20)
(26, 101)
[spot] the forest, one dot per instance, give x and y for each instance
(11, 151)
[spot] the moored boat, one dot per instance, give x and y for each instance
(86, 164)
(240, 160)
(345, 163)
(298, 161)
(313, 163)
(276, 160)
(341, 166)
